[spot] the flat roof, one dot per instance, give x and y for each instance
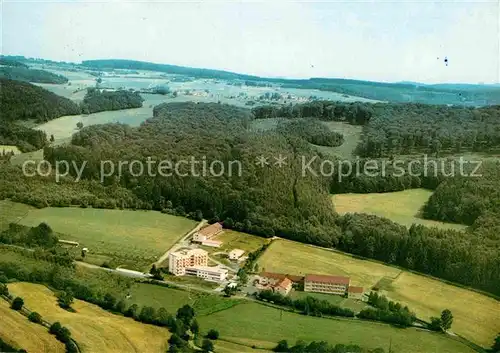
(328, 279)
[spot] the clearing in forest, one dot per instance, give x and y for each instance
(402, 207)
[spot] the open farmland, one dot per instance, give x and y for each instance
(132, 238)
(402, 207)
(476, 315)
(18, 331)
(95, 329)
(293, 258)
(262, 326)
(12, 212)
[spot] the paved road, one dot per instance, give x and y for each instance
(180, 243)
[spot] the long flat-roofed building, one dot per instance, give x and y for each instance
(207, 233)
(212, 274)
(326, 284)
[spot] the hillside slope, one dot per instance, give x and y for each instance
(24, 101)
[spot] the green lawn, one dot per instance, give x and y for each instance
(12, 212)
(401, 207)
(131, 238)
(237, 240)
(144, 294)
(255, 324)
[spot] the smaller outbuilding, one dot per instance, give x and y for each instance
(355, 292)
(235, 254)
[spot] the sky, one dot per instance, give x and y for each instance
(372, 40)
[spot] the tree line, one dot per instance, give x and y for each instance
(96, 100)
(354, 113)
(23, 73)
(313, 131)
(321, 347)
(307, 306)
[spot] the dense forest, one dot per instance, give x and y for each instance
(24, 138)
(477, 203)
(10, 62)
(98, 101)
(264, 201)
(415, 128)
(311, 130)
(470, 95)
(22, 73)
(24, 101)
(353, 113)
(396, 129)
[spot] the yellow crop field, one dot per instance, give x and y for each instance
(95, 329)
(17, 331)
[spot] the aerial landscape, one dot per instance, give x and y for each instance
(279, 193)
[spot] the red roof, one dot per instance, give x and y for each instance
(285, 283)
(328, 279)
(352, 289)
(281, 276)
(211, 230)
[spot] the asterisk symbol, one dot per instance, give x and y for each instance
(280, 161)
(262, 161)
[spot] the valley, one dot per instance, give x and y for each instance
(428, 243)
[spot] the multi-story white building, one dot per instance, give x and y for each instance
(193, 262)
(178, 261)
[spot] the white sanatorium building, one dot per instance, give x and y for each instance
(194, 262)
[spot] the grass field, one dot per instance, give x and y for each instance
(255, 324)
(9, 149)
(130, 238)
(230, 347)
(18, 331)
(19, 159)
(293, 258)
(355, 305)
(476, 315)
(401, 207)
(237, 240)
(11, 212)
(94, 329)
(352, 137)
(172, 299)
